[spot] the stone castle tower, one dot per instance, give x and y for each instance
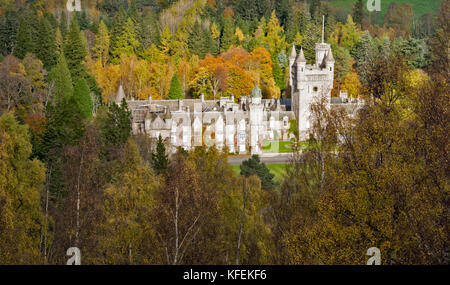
(309, 82)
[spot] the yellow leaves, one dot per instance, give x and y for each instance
(215, 33)
(352, 84)
(239, 34)
(108, 79)
(298, 39)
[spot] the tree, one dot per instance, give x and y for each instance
(60, 80)
(160, 160)
(8, 32)
(175, 92)
(253, 166)
(275, 36)
(116, 125)
(119, 22)
(128, 236)
(21, 181)
(101, 48)
(46, 46)
(439, 67)
(228, 35)
(358, 12)
(75, 52)
(24, 38)
(83, 98)
(126, 42)
(15, 88)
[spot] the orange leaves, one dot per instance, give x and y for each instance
(236, 72)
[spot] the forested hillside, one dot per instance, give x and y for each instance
(72, 174)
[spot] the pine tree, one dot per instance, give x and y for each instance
(228, 35)
(60, 80)
(175, 92)
(59, 42)
(46, 45)
(75, 52)
(277, 72)
(102, 41)
(82, 96)
(117, 28)
(314, 9)
(63, 24)
(209, 45)
(8, 32)
(126, 43)
(24, 38)
(196, 40)
(253, 166)
(358, 12)
(160, 160)
(116, 128)
(311, 37)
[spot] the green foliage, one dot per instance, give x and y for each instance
(116, 127)
(61, 80)
(228, 35)
(160, 160)
(75, 52)
(126, 42)
(24, 38)
(82, 96)
(358, 12)
(176, 91)
(21, 184)
(46, 45)
(253, 166)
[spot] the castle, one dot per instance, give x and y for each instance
(243, 127)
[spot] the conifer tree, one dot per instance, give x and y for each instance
(176, 91)
(253, 166)
(160, 160)
(102, 41)
(196, 40)
(358, 12)
(126, 42)
(83, 98)
(116, 128)
(228, 35)
(46, 45)
(63, 24)
(75, 52)
(117, 28)
(60, 80)
(24, 38)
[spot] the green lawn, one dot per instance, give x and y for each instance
(420, 7)
(277, 169)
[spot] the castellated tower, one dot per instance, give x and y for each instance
(309, 82)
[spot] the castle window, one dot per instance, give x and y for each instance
(315, 88)
(330, 68)
(302, 69)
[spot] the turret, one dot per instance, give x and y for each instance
(329, 61)
(292, 58)
(120, 95)
(301, 64)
